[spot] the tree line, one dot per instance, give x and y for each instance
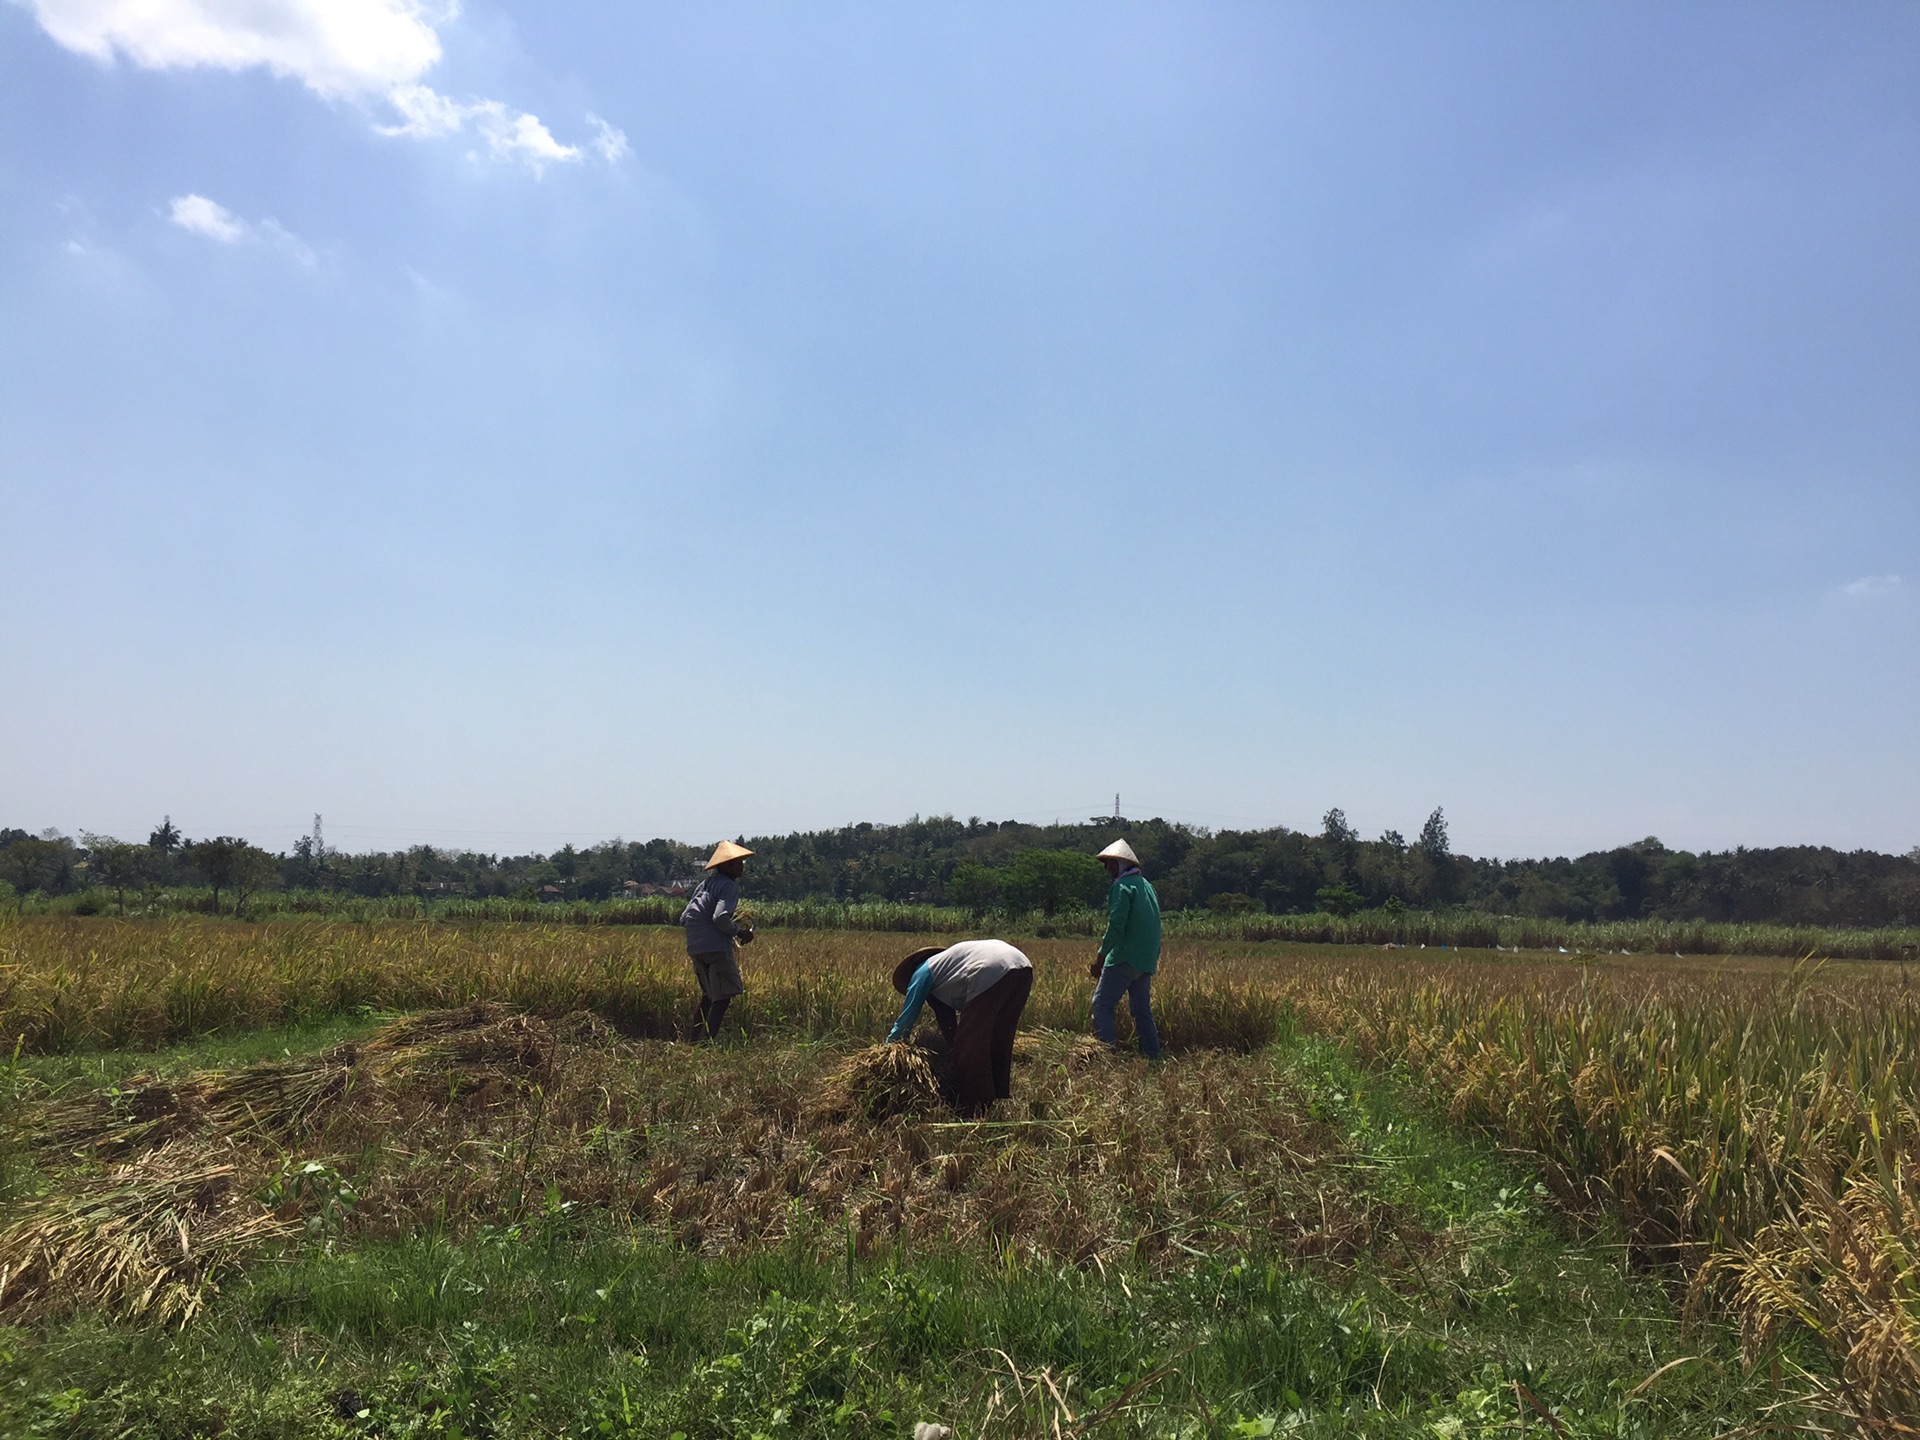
(985, 866)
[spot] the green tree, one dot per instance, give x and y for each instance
(1436, 858)
(258, 870)
(973, 886)
(1342, 844)
(231, 863)
(1049, 880)
(45, 864)
(1389, 870)
(117, 864)
(166, 843)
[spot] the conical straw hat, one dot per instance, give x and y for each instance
(903, 972)
(726, 850)
(1120, 851)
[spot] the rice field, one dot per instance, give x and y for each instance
(79, 984)
(1449, 929)
(1745, 1125)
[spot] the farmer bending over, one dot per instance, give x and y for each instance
(977, 989)
(1129, 953)
(712, 933)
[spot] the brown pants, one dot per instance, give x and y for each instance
(980, 1039)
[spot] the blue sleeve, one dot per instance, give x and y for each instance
(917, 989)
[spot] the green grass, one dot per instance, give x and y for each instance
(220, 1051)
(561, 1322)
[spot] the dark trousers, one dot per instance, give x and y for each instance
(980, 1039)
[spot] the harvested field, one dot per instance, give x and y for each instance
(466, 1118)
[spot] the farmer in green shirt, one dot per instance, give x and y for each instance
(1129, 953)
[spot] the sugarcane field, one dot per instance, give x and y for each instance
(312, 1178)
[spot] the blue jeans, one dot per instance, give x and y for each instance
(1118, 980)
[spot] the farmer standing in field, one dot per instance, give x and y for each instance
(978, 989)
(1129, 952)
(712, 933)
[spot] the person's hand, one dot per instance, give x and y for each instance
(1093, 970)
(743, 937)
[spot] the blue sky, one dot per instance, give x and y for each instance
(528, 423)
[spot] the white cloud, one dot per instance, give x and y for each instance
(198, 215)
(509, 134)
(339, 48)
(201, 216)
(369, 52)
(424, 112)
(1872, 585)
(609, 142)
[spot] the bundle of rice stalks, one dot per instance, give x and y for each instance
(142, 1112)
(149, 1239)
(1087, 1050)
(281, 1100)
(276, 1099)
(503, 1041)
(882, 1080)
(432, 1025)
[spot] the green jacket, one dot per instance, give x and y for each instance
(1133, 924)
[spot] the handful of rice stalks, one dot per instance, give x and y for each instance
(881, 1080)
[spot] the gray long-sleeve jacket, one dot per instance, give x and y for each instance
(709, 914)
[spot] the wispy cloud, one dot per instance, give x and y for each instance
(372, 53)
(508, 134)
(198, 215)
(608, 142)
(1872, 585)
